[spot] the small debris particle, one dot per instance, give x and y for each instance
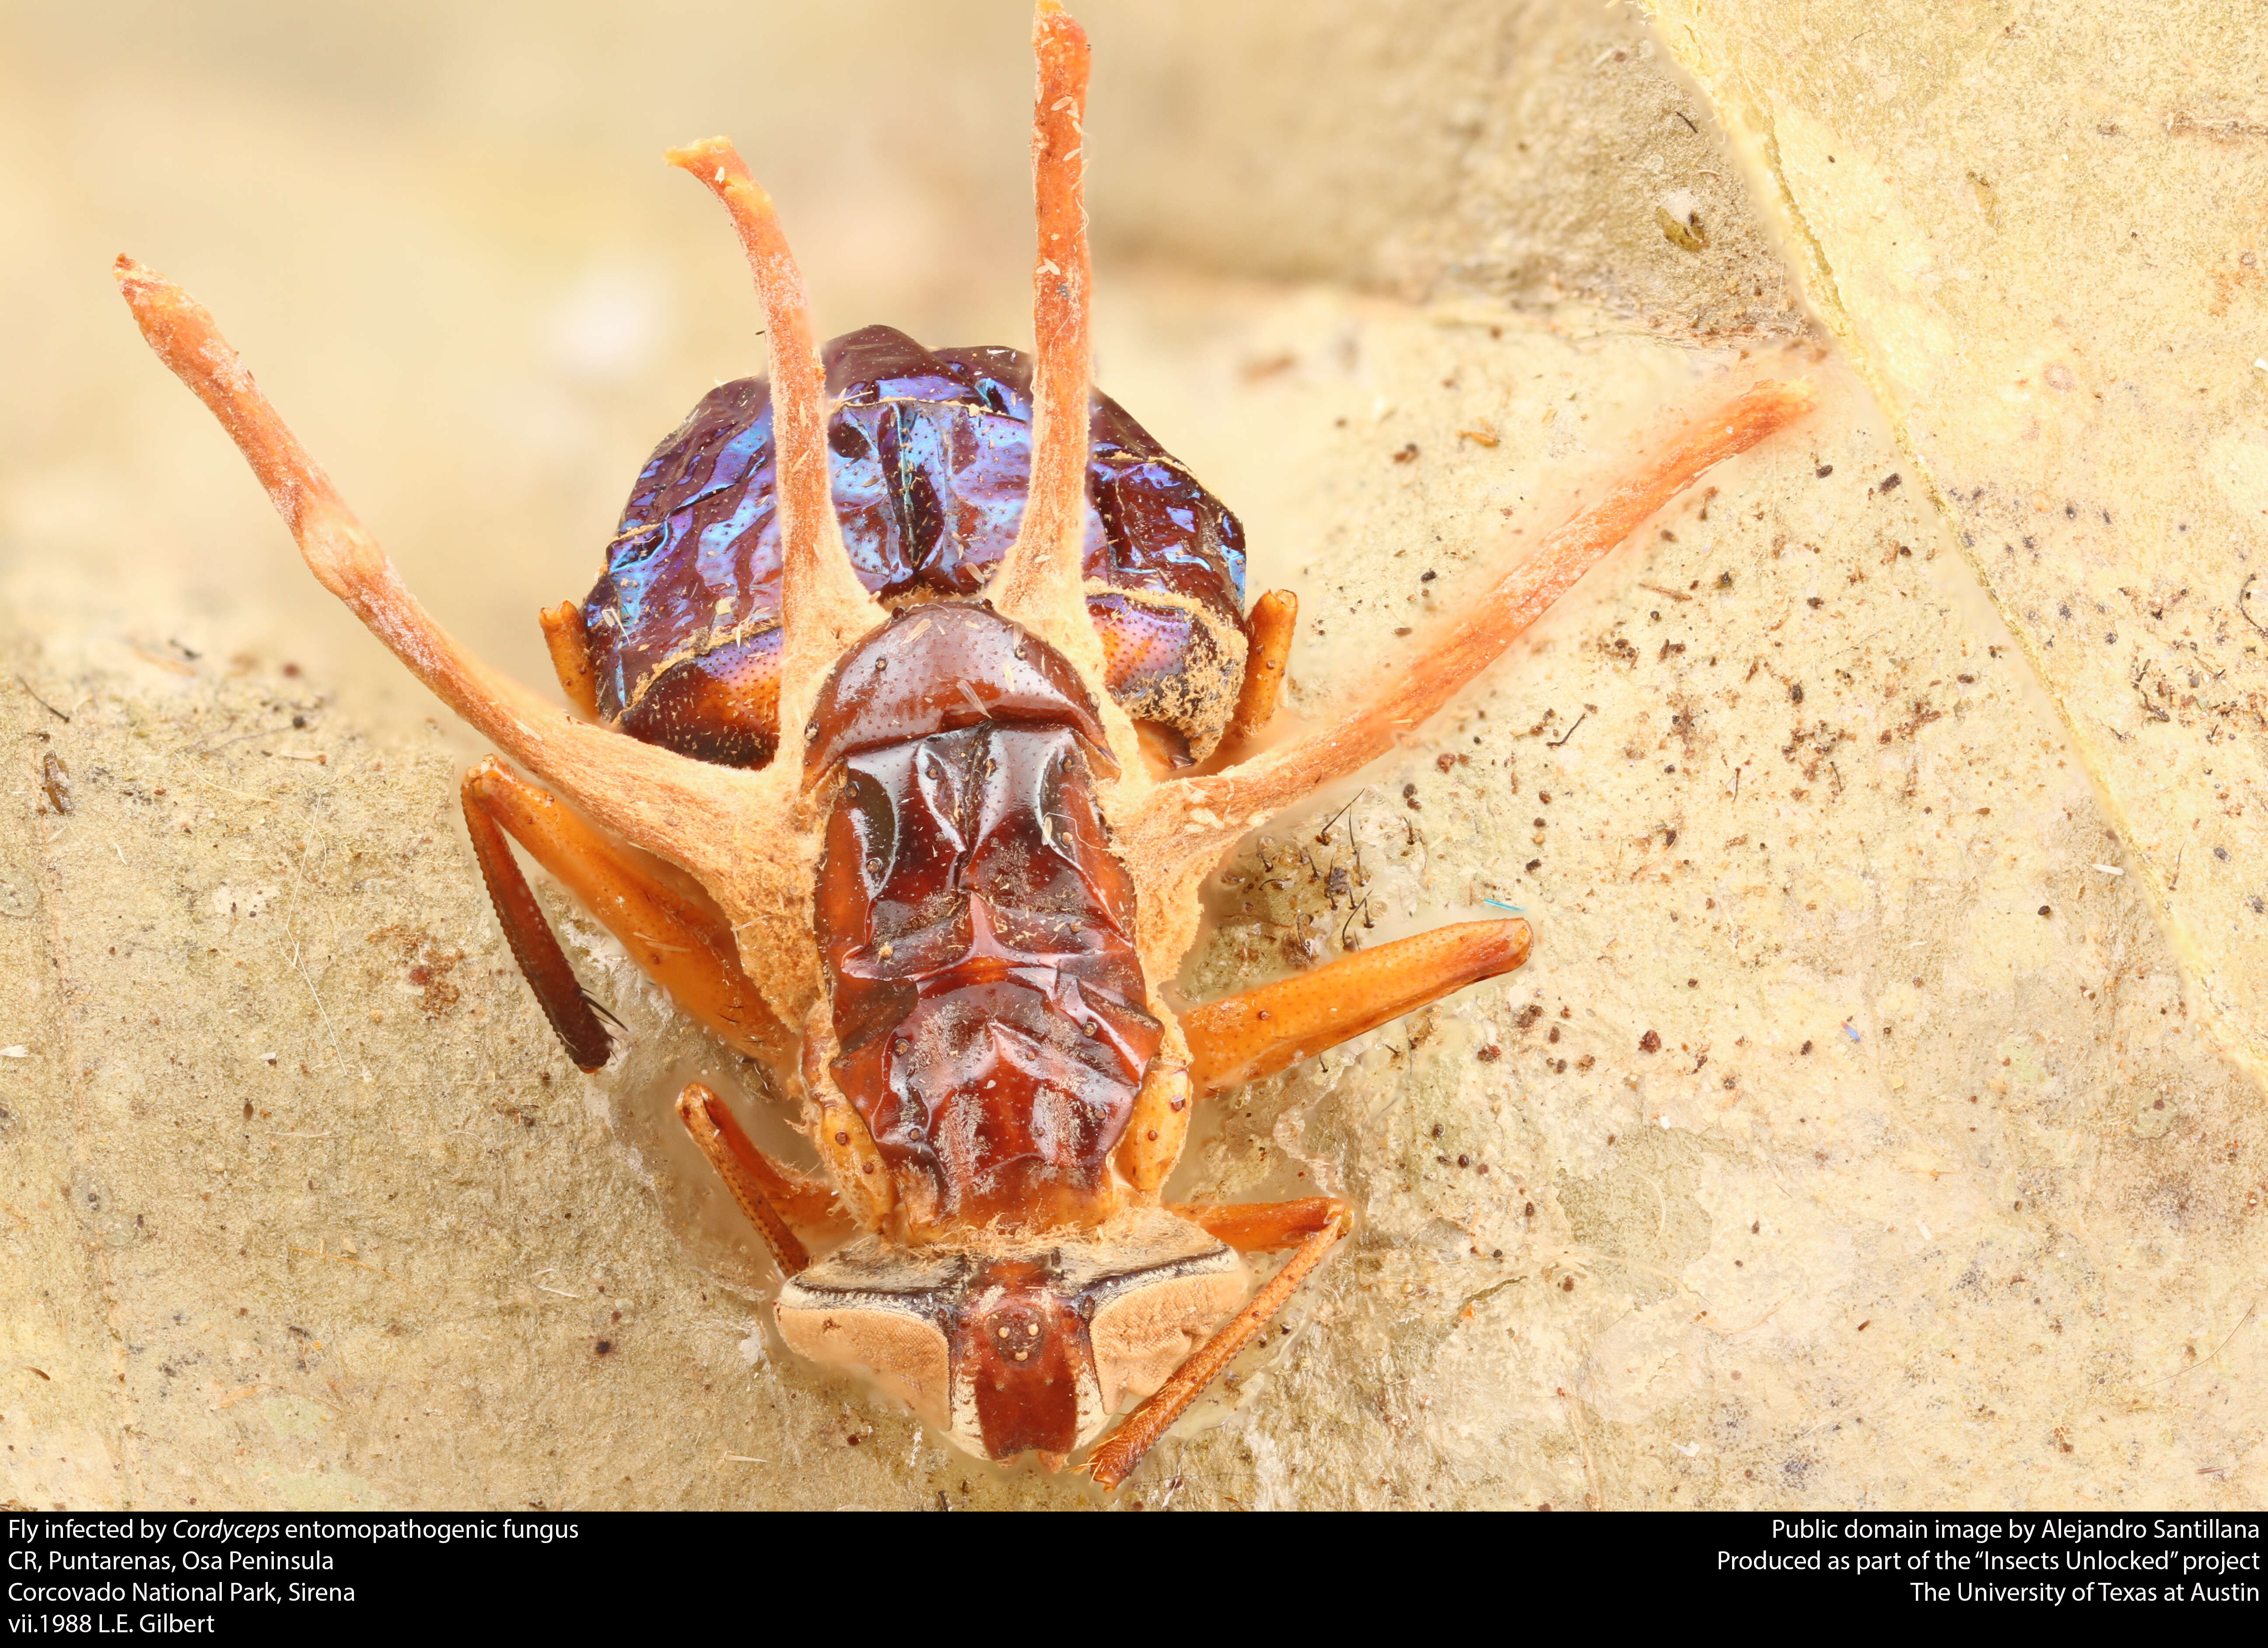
(1650, 1042)
(604, 1347)
(1489, 1054)
(57, 781)
(1688, 236)
(1408, 454)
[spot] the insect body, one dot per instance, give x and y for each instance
(928, 671)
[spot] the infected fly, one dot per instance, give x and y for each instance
(927, 678)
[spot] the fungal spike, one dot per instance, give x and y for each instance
(1497, 615)
(824, 610)
(1039, 582)
(652, 797)
(1182, 826)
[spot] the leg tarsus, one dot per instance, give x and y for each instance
(772, 1195)
(1258, 1032)
(1113, 1459)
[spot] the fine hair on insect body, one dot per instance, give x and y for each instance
(927, 677)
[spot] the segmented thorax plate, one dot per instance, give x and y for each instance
(977, 930)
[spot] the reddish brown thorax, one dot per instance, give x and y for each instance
(977, 930)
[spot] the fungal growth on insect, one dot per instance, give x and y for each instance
(931, 673)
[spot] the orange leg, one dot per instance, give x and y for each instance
(681, 942)
(1274, 617)
(1316, 1225)
(569, 641)
(1244, 1037)
(775, 1199)
(1262, 1226)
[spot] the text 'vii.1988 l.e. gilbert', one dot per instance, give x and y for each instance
(927, 678)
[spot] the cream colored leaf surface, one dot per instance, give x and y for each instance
(2038, 229)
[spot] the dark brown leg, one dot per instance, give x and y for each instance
(774, 1198)
(1256, 1032)
(1316, 1225)
(681, 941)
(534, 945)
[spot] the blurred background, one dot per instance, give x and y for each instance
(443, 240)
